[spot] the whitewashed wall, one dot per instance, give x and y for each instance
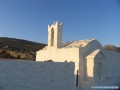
(85, 80)
(60, 55)
(29, 75)
(112, 67)
(112, 60)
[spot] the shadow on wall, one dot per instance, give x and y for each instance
(86, 84)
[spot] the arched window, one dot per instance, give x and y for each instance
(99, 70)
(52, 37)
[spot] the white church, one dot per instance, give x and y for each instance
(93, 65)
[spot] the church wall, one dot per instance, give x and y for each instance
(108, 73)
(112, 67)
(86, 77)
(30, 75)
(85, 51)
(99, 69)
(112, 60)
(88, 82)
(59, 36)
(60, 55)
(90, 68)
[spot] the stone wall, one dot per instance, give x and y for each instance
(30, 75)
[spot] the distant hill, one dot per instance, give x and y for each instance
(112, 48)
(18, 48)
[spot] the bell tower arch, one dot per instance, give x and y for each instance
(55, 35)
(52, 36)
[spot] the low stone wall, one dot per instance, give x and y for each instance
(30, 75)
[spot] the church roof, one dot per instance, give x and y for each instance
(101, 53)
(96, 54)
(77, 43)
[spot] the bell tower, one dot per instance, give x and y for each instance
(55, 35)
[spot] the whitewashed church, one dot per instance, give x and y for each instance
(93, 65)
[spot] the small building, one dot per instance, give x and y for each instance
(93, 65)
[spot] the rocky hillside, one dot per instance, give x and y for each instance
(18, 48)
(112, 48)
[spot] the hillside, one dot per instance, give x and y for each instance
(18, 48)
(112, 48)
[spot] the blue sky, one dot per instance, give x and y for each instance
(82, 19)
